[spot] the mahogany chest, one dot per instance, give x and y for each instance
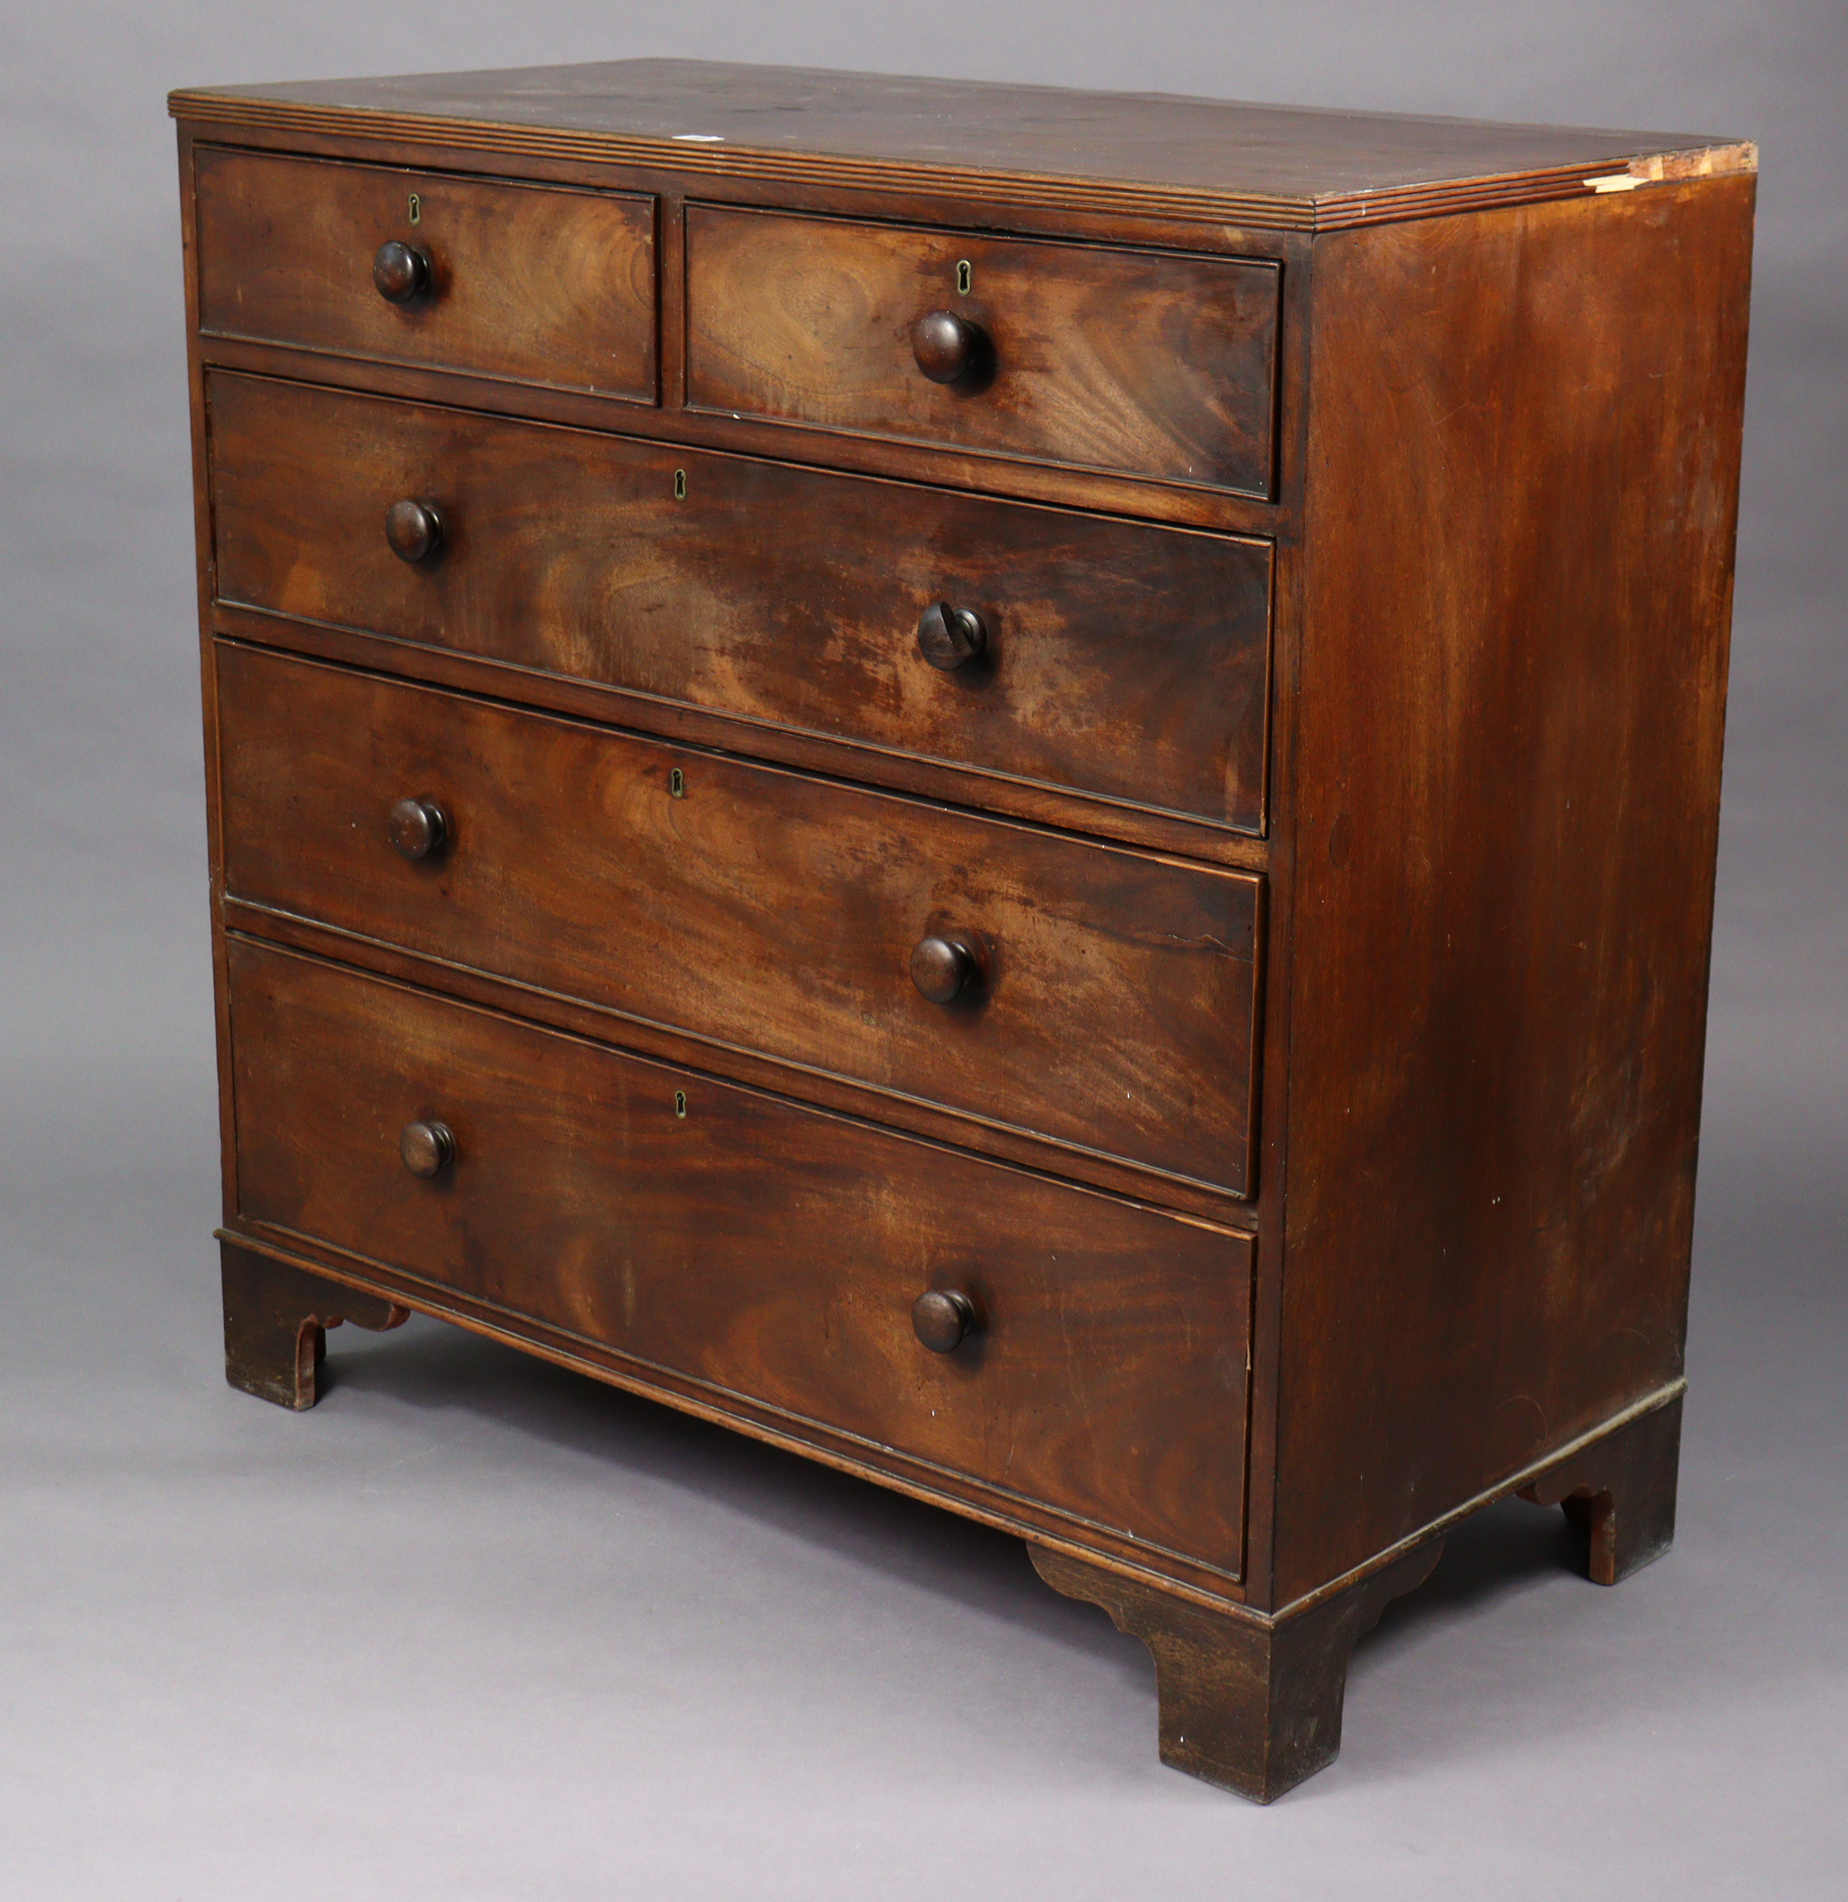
(1017, 788)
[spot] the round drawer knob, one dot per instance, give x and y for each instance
(947, 636)
(427, 1148)
(946, 346)
(944, 968)
(943, 1318)
(414, 530)
(401, 272)
(419, 828)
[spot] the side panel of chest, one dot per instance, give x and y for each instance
(1507, 794)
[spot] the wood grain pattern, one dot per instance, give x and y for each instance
(1014, 146)
(760, 909)
(1146, 362)
(1507, 800)
(535, 284)
(1122, 659)
(759, 1247)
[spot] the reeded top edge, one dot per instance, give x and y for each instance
(1162, 154)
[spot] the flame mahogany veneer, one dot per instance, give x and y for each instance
(1017, 788)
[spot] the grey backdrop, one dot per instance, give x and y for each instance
(475, 1628)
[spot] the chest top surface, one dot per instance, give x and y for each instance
(1287, 166)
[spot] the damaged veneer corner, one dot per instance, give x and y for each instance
(1661, 168)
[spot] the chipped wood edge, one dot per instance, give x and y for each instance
(1664, 168)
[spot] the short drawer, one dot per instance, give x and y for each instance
(767, 1252)
(1108, 995)
(1140, 362)
(1117, 658)
(530, 283)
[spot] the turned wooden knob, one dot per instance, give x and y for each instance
(949, 636)
(401, 272)
(944, 968)
(947, 346)
(418, 827)
(414, 530)
(427, 1148)
(943, 1318)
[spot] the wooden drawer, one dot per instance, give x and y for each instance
(762, 910)
(1143, 362)
(536, 284)
(757, 1248)
(1119, 659)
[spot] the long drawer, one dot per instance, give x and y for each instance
(529, 283)
(1116, 658)
(1098, 998)
(764, 1250)
(1150, 363)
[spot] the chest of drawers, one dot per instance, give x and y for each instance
(1016, 788)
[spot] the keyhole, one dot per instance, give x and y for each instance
(416, 209)
(677, 784)
(680, 485)
(965, 276)
(680, 1102)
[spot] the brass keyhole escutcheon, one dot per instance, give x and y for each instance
(416, 208)
(677, 784)
(680, 1103)
(680, 485)
(965, 276)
